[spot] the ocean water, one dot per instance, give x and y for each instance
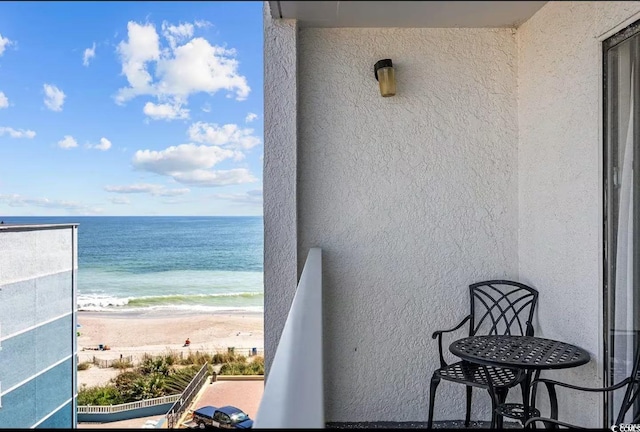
(138, 264)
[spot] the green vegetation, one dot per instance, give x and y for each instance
(84, 366)
(243, 367)
(101, 395)
(122, 364)
(163, 375)
(229, 357)
(153, 377)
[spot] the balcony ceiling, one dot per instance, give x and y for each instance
(406, 13)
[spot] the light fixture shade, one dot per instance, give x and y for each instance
(385, 75)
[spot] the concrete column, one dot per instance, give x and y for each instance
(280, 165)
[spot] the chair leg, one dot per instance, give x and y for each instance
(467, 419)
(494, 405)
(502, 397)
(435, 380)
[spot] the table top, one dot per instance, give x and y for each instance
(519, 352)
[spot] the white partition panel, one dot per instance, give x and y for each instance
(294, 392)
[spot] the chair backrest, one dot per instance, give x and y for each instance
(502, 307)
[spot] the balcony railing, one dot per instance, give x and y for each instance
(111, 409)
(294, 395)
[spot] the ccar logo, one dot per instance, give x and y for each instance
(626, 427)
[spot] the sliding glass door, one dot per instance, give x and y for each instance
(621, 54)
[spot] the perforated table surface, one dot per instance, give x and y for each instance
(527, 353)
(519, 352)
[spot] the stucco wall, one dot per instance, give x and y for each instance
(411, 199)
(560, 179)
(279, 184)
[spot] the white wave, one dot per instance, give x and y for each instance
(200, 295)
(202, 308)
(103, 303)
(181, 308)
(99, 303)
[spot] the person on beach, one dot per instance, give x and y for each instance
(187, 342)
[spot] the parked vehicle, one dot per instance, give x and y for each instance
(226, 417)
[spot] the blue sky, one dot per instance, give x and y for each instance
(131, 108)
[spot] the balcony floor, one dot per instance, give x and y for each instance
(448, 424)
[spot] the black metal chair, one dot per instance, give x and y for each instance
(498, 307)
(631, 384)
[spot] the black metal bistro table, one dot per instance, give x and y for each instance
(527, 354)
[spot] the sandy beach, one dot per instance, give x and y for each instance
(130, 334)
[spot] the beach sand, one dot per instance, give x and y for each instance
(130, 334)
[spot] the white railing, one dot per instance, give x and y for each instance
(294, 392)
(110, 409)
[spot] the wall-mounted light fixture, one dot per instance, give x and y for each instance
(385, 75)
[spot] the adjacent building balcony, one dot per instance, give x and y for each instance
(38, 326)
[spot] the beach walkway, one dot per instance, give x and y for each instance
(244, 394)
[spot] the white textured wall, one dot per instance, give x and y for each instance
(37, 253)
(411, 199)
(560, 178)
(279, 184)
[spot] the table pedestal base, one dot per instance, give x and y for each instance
(516, 411)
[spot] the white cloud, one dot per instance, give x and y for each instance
(187, 66)
(4, 43)
(89, 53)
(104, 145)
(192, 164)
(67, 142)
(16, 133)
(175, 34)
(206, 108)
(185, 157)
(208, 178)
(249, 197)
(198, 66)
(120, 200)
(250, 117)
(172, 192)
(53, 97)
(15, 200)
(165, 111)
(202, 23)
(143, 46)
(4, 101)
(229, 135)
(151, 189)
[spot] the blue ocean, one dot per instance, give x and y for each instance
(171, 263)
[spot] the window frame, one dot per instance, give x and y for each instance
(608, 208)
